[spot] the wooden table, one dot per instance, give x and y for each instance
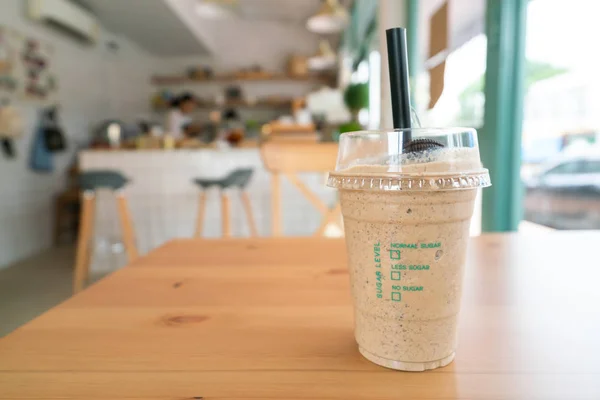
(271, 318)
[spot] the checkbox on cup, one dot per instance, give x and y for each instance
(396, 275)
(395, 254)
(396, 296)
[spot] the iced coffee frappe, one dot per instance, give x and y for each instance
(406, 218)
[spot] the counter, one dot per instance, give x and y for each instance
(164, 202)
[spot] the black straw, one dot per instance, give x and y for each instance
(399, 87)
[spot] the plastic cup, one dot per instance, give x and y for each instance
(406, 219)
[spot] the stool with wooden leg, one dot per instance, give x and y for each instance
(89, 183)
(290, 158)
(239, 180)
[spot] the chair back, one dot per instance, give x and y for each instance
(240, 177)
(296, 157)
(290, 158)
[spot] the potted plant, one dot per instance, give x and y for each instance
(356, 98)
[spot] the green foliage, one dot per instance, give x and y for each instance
(535, 71)
(252, 124)
(356, 96)
(538, 71)
(351, 126)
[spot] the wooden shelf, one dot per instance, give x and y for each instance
(284, 103)
(183, 80)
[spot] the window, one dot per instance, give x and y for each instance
(561, 120)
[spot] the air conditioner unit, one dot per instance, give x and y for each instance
(67, 17)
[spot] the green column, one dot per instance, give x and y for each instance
(500, 139)
(412, 39)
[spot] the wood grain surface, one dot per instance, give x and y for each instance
(272, 319)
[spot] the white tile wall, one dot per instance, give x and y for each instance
(163, 201)
(94, 85)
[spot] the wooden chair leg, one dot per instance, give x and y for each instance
(86, 228)
(249, 215)
(225, 215)
(200, 219)
(92, 229)
(310, 196)
(276, 204)
(126, 228)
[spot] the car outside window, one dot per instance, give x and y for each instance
(591, 167)
(571, 167)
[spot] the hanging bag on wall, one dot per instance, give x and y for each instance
(11, 127)
(40, 158)
(54, 137)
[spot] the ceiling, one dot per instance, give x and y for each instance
(173, 28)
(152, 24)
(292, 11)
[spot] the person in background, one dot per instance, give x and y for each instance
(179, 123)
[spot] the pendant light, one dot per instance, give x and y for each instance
(331, 18)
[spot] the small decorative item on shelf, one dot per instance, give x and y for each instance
(113, 133)
(300, 111)
(254, 72)
(191, 143)
(233, 127)
(276, 101)
(200, 73)
(251, 100)
(233, 94)
(252, 128)
(192, 72)
(297, 66)
(161, 100)
(204, 102)
(235, 136)
(147, 142)
(168, 142)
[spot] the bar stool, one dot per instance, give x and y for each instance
(89, 183)
(238, 179)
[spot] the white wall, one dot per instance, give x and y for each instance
(242, 43)
(94, 84)
(237, 42)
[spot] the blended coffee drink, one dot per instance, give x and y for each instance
(407, 206)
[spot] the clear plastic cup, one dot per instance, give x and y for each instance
(406, 218)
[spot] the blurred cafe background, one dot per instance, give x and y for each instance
(190, 108)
